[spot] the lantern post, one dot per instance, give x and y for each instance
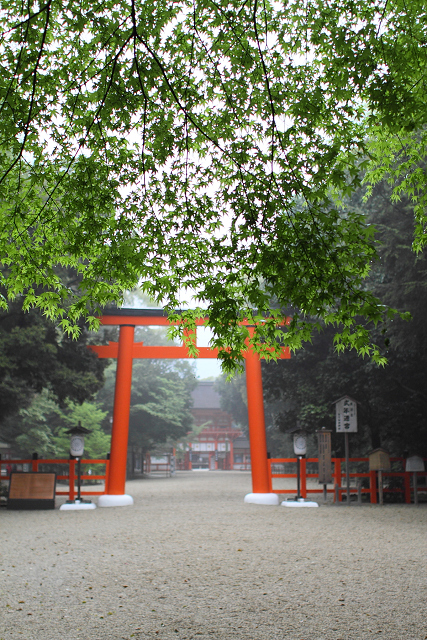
(300, 450)
(77, 447)
(379, 460)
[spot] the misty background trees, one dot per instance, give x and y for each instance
(42, 373)
(391, 399)
(48, 381)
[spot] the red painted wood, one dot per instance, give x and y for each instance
(120, 430)
(141, 351)
(303, 475)
(257, 437)
(126, 350)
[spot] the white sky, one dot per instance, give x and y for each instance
(206, 368)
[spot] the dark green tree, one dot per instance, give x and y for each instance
(391, 399)
(37, 356)
(160, 403)
(40, 427)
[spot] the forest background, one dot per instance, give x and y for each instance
(391, 399)
(52, 382)
(49, 382)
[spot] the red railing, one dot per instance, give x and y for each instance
(338, 476)
(71, 477)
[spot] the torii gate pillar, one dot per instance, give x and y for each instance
(262, 493)
(115, 496)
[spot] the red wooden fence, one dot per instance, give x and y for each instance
(338, 475)
(71, 477)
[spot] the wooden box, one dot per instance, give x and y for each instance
(379, 460)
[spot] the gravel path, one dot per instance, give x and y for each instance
(190, 560)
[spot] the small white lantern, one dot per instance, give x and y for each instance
(77, 446)
(300, 444)
(300, 450)
(77, 440)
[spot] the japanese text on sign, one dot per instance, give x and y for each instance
(346, 415)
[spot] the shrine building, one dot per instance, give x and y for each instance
(213, 447)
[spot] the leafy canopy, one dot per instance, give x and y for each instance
(202, 145)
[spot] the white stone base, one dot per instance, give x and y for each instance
(299, 503)
(115, 501)
(77, 505)
(262, 498)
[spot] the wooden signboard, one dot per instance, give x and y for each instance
(346, 415)
(325, 462)
(32, 491)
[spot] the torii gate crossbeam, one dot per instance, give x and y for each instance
(125, 350)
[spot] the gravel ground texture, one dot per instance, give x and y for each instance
(191, 561)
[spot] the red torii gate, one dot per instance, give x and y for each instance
(125, 350)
